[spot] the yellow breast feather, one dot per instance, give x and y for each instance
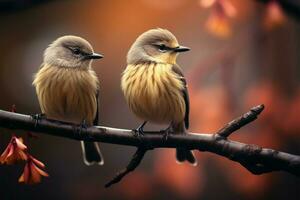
(67, 94)
(154, 92)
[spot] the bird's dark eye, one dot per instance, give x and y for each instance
(76, 51)
(162, 47)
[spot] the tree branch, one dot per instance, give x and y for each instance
(256, 159)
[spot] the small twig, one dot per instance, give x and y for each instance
(241, 121)
(134, 162)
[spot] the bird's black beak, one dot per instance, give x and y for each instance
(181, 49)
(93, 56)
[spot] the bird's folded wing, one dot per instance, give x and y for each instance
(176, 69)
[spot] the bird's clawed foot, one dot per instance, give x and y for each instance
(166, 132)
(37, 117)
(140, 130)
(82, 126)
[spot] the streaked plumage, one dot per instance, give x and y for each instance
(69, 95)
(152, 92)
(154, 86)
(67, 87)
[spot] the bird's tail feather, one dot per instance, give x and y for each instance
(91, 153)
(183, 154)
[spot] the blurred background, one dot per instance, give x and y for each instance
(244, 53)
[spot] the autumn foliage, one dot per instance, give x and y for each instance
(17, 151)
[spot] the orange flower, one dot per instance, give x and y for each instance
(14, 151)
(274, 15)
(228, 8)
(218, 25)
(32, 173)
(218, 22)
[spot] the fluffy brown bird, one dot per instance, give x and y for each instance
(154, 86)
(67, 87)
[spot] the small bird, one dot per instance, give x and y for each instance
(67, 87)
(154, 86)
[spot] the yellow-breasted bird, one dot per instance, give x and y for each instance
(67, 87)
(154, 86)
